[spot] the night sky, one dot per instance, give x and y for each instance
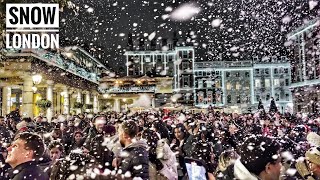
(244, 28)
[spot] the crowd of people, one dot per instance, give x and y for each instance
(160, 145)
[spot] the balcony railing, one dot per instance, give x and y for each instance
(56, 59)
(132, 89)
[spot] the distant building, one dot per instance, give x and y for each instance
(239, 85)
(163, 57)
(306, 67)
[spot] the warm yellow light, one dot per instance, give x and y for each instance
(36, 79)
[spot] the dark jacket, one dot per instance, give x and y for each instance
(99, 150)
(135, 160)
(28, 171)
(4, 134)
(92, 134)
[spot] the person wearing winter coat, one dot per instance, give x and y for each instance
(23, 156)
(309, 169)
(97, 149)
(4, 132)
(134, 158)
(259, 160)
(162, 161)
(99, 122)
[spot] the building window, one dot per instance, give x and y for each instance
(227, 74)
(200, 73)
(276, 82)
(190, 54)
(186, 81)
(209, 97)
(267, 97)
(266, 71)
(287, 97)
(275, 71)
(185, 54)
(258, 83)
(237, 74)
(286, 70)
(257, 97)
(200, 97)
(247, 74)
(287, 82)
(255, 58)
(257, 71)
(238, 86)
(229, 99)
(238, 99)
(277, 97)
(200, 83)
(185, 65)
(267, 83)
(229, 86)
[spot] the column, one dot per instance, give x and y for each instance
(58, 107)
(50, 98)
(95, 103)
(79, 100)
(65, 100)
(6, 101)
(27, 97)
(116, 105)
(87, 100)
(153, 102)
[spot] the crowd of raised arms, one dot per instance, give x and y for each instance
(161, 144)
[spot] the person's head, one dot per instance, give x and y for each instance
(99, 122)
(161, 128)
(38, 119)
(180, 131)
(203, 151)
(313, 159)
(78, 135)
(261, 156)
(26, 147)
(56, 133)
(71, 121)
(55, 150)
(1, 121)
(227, 158)
(151, 137)
(109, 130)
(127, 131)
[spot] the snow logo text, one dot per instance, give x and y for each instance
(32, 26)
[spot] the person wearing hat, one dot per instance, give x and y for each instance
(309, 168)
(259, 159)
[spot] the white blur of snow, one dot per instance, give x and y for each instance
(286, 19)
(185, 12)
(182, 118)
(151, 36)
(312, 4)
(143, 101)
(175, 97)
(216, 22)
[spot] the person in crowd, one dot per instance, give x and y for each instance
(227, 158)
(182, 144)
(134, 153)
(23, 155)
(77, 141)
(77, 165)
(162, 162)
(99, 122)
(203, 151)
(98, 149)
(5, 136)
(4, 167)
(259, 159)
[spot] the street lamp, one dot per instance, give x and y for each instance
(36, 79)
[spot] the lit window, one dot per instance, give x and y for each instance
(258, 83)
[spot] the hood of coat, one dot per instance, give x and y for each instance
(241, 172)
(136, 144)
